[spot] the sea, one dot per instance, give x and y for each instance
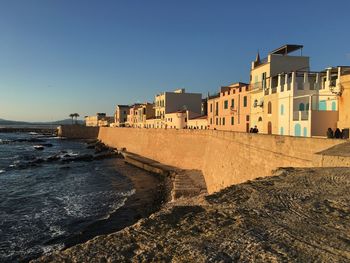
(43, 203)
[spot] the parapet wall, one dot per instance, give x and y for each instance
(77, 132)
(225, 158)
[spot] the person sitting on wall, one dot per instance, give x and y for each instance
(330, 134)
(338, 134)
(251, 130)
(255, 130)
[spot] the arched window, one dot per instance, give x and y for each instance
(282, 131)
(269, 127)
(297, 130)
(334, 106)
(301, 107)
(269, 107)
(260, 119)
(305, 132)
(282, 109)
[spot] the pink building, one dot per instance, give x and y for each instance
(229, 110)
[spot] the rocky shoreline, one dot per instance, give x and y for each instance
(299, 215)
(151, 191)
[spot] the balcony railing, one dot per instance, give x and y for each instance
(300, 115)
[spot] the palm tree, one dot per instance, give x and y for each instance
(76, 115)
(72, 116)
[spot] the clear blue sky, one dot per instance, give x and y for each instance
(64, 56)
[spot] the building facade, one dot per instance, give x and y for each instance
(198, 123)
(170, 102)
(263, 80)
(344, 99)
(230, 109)
(100, 119)
(121, 115)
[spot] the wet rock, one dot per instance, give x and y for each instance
(53, 158)
(46, 144)
(81, 158)
(29, 140)
(100, 147)
(105, 155)
(39, 147)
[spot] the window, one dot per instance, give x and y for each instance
(247, 118)
(269, 108)
(282, 109)
(225, 104)
(282, 131)
(260, 119)
(245, 101)
(269, 127)
(217, 108)
(301, 107)
(211, 121)
(297, 130)
(307, 107)
(211, 107)
(322, 105)
(334, 106)
(232, 121)
(232, 103)
(217, 121)
(263, 80)
(223, 121)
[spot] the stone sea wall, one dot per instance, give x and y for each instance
(225, 158)
(77, 132)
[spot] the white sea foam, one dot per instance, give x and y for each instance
(2, 171)
(56, 231)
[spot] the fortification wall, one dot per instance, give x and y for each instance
(77, 132)
(225, 158)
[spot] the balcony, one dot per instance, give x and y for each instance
(300, 115)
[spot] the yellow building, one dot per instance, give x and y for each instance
(121, 115)
(170, 102)
(100, 119)
(344, 100)
(144, 112)
(263, 82)
(198, 123)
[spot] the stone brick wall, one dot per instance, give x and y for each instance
(225, 158)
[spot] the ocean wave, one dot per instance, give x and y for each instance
(5, 141)
(2, 171)
(56, 231)
(79, 205)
